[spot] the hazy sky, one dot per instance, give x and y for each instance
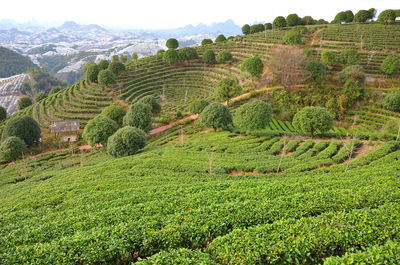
(153, 14)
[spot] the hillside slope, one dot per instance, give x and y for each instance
(12, 63)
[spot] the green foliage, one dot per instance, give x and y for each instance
(392, 101)
(187, 54)
(12, 148)
(253, 115)
(313, 119)
(134, 56)
(209, 56)
(24, 102)
(171, 56)
(268, 26)
(160, 52)
(115, 58)
(227, 88)
(55, 89)
(98, 130)
(220, 38)
(91, 72)
(391, 65)
(387, 16)
(300, 29)
(12, 63)
(153, 102)
(279, 22)
(354, 73)
(25, 88)
(124, 58)
(114, 112)
(246, 29)
(139, 116)
(224, 56)
(293, 20)
(216, 116)
(126, 141)
(344, 17)
(103, 64)
(256, 28)
(206, 42)
(254, 66)
(292, 38)
(391, 127)
(362, 16)
(181, 256)
(349, 57)
(308, 20)
(116, 67)
(106, 77)
(172, 43)
(197, 106)
(3, 113)
(317, 71)
(23, 127)
(39, 96)
(328, 58)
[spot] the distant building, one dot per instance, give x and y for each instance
(68, 130)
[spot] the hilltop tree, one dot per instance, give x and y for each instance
(293, 20)
(268, 26)
(216, 116)
(328, 58)
(279, 22)
(98, 130)
(12, 148)
(134, 56)
(197, 106)
(312, 119)
(227, 88)
(24, 102)
(115, 58)
(209, 56)
(317, 71)
(308, 20)
(349, 57)
(256, 28)
(220, 38)
(390, 65)
(3, 113)
(187, 54)
(392, 101)
(206, 42)
(387, 16)
(172, 43)
(292, 38)
(223, 56)
(126, 141)
(23, 127)
(344, 17)
(114, 112)
(91, 72)
(106, 77)
(153, 102)
(246, 29)
(40, 96)
(116, 67)
(139, 116)
(288, 65)
(171, 56)
(253, 115)
(362, 16)
(254, 66)
(103, 64)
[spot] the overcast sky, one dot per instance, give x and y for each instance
(162, 14)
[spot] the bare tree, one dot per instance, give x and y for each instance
(288, 65)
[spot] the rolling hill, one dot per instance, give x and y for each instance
(12, 63)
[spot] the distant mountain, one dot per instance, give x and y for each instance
(12, 63)
(72, 27)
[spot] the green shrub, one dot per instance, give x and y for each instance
(106, 77)
(328, 58)
(224, 56)
(12, 148)
(387, 16)
(293, 20)
(24, 127)
(391, 65)
(153, 102)
(354, 73)
(139, 116)
(187, 54)
(256, 28)
(181, 256)
(216, 116)
(98, 130)
(279, 22)
(349, 57)
(209, 56)
(254, 66)
(253, 115)
(197, 106)
(206, 42)
(91, 72)
(114, 112)
(227, 88)
(392, 101)
(116, 67)
(312, 119)
(24, 102)
(103, 64)
(317, 71)
(246, 29)
(220, 38)
(171, 56)
(126, 141)
(172, 43)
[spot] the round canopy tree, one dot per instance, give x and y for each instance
(352, 73)
(206, 42)
(279, 22)
(227, 88)
(387, 16)
(254, 66)
(197, 106)
(98, 129)
(91, 72)
(171, 56)
(223, 56)
(292, 38)
(390, 65)
(349, 57)
(312, 119)
(106, 77)
(126, 141)
(24, 127)
(103, 64)
(253, 115)
(362, 16)
(3, 113)
(139, 116)
(246, 29)
(216, 116)
(220, 38)
(317, 71)
(268, 26)
(116, 67)
(12, 148)
(153, 102)
(392, 101)
(187, 54)
(114, 112)
(256, 28)
(293, 20)
(328, 58)
(172, 43)
(209, 56)
(24, 102)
